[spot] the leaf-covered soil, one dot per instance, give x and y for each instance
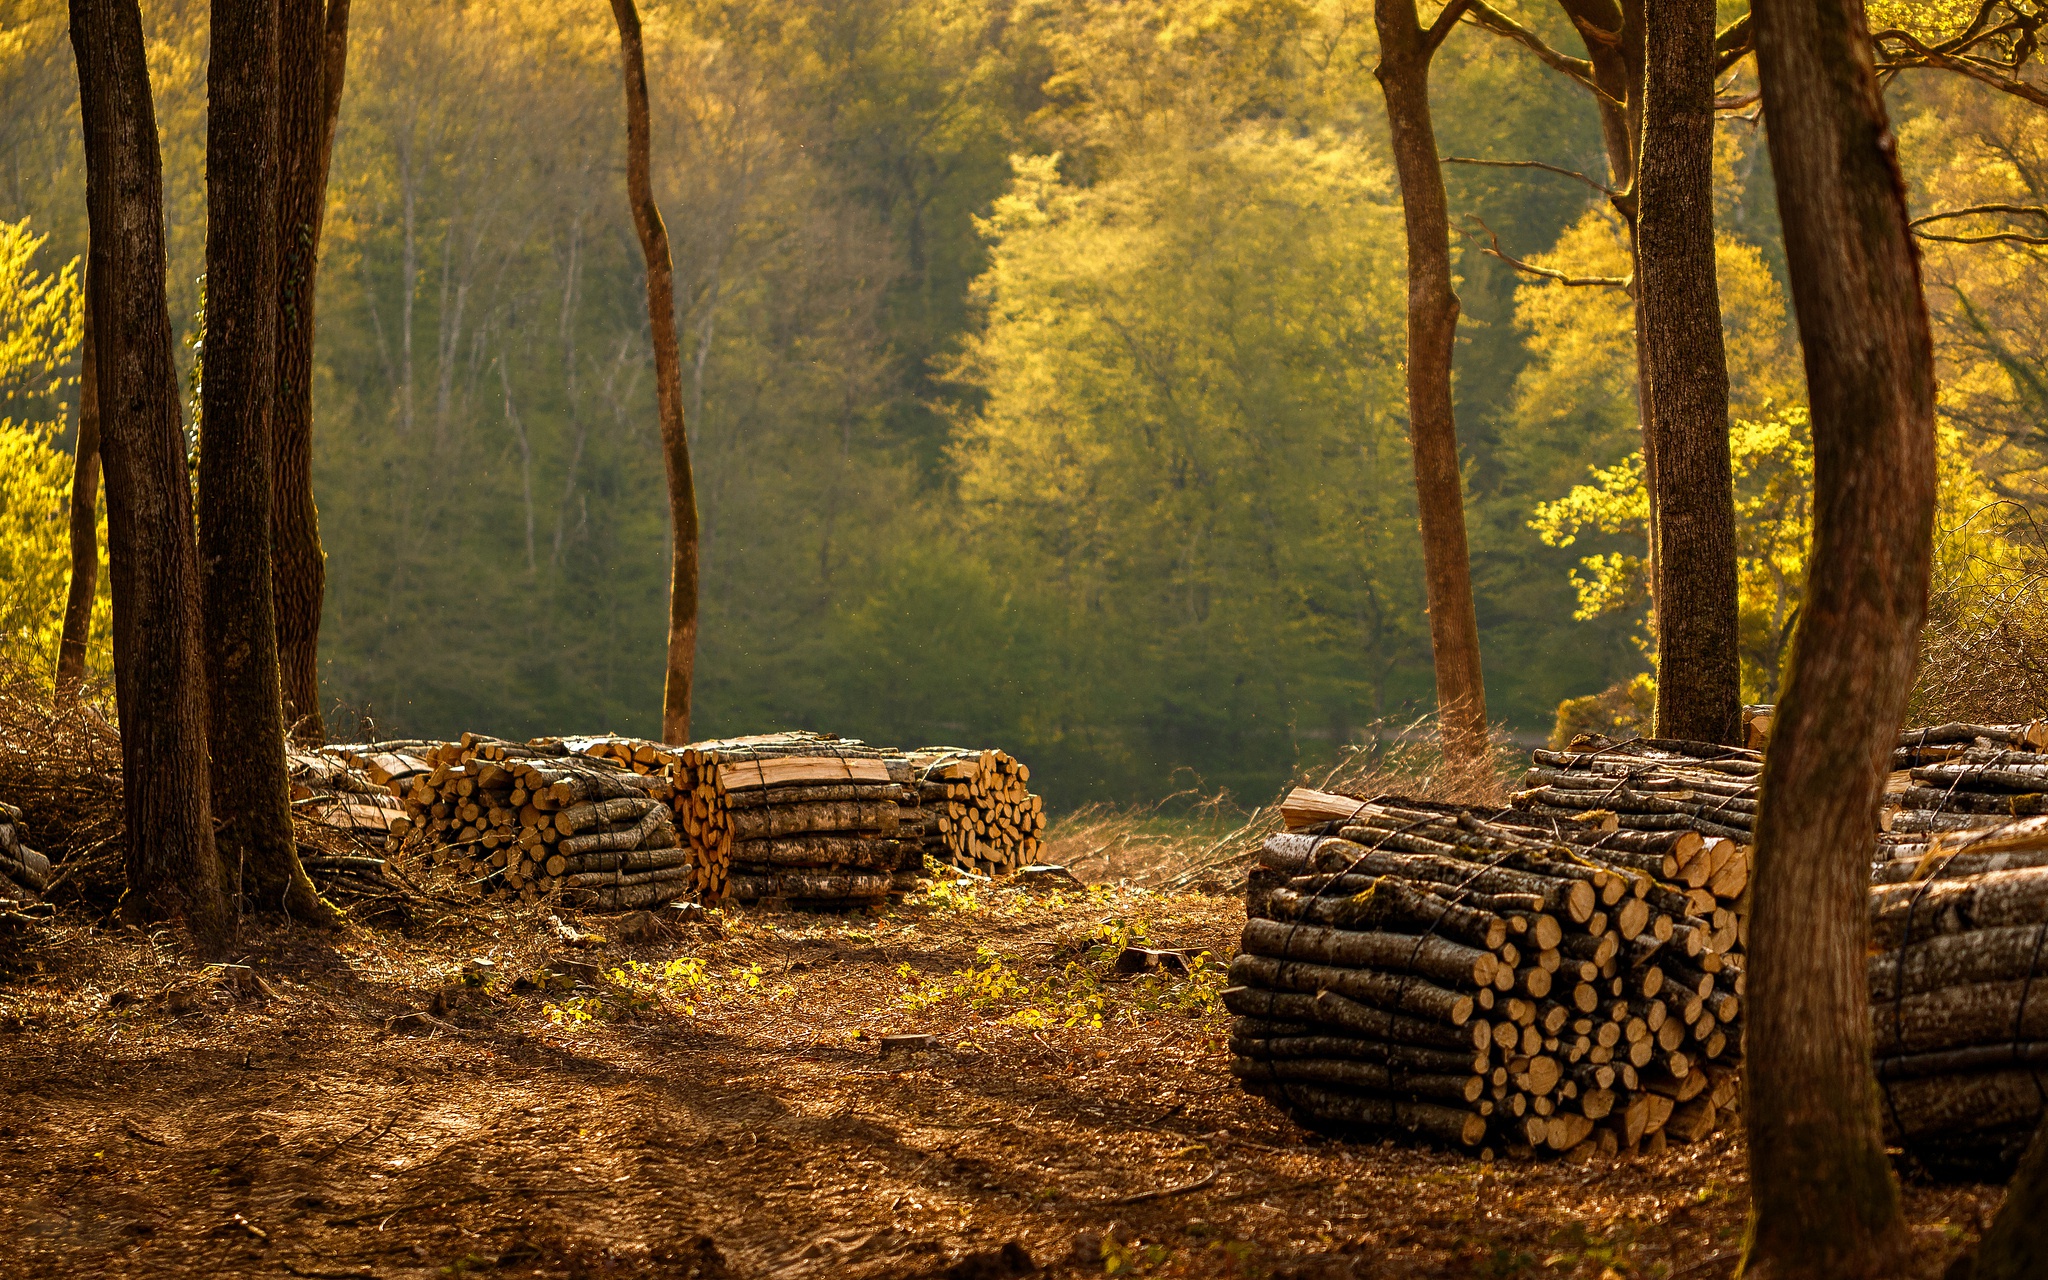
(714, 1102)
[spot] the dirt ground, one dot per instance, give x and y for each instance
(376, 1103)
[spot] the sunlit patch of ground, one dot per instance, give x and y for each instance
(370, 1104)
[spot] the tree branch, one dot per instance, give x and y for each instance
(1545, 273)
(1948, 56)
(1447, 18)
(1533, 164)
(1990, 237)
(1578, 69)
(1733, 44)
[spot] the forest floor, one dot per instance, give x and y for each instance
(427, 1102)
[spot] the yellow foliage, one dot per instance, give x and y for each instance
(41, 326)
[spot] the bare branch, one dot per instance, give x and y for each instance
(1578, 69)
(1610, 192)
(1736, 43)
(2033, 210)
(1445, 20)
(1952, 56)
(1989, 237)
(1545, 273)
(1737, 102)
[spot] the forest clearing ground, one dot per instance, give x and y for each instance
(165, 1119)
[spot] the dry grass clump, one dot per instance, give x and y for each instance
(1190, 840)
(1984, 652)
(61, 766)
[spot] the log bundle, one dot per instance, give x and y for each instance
(797, 817)
(550, 818)
(1959, 996)
(24, 873)
(970, 809)
(1959, 777)
(1416, 968)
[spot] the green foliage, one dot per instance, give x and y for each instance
(1084, 993)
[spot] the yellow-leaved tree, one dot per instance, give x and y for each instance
(42, 324)
(1585, 364)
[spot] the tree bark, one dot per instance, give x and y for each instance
(1824, 1202)
(668, 383)
(85, 501)
(1685, 380)
(2018, 1238)
(245, 719)
(159, 678)
(312, 57)
(1406, 48)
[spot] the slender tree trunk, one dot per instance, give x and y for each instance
(1823, 1200)
(312, 58)
(159, 678)
(1405, 52)
(668, 384)
(85, 501)
(2017, 1242)
(245, 712)
(1685, 379)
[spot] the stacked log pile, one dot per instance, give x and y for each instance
(798, 817)
(1956, 777)
(1419, 969)
(970, 809)
(24, 873)
(1959, 996)
(350, 788)
(1683, 812)
(529, 820)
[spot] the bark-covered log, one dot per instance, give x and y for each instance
(655, 825)
(599, 879)
(1407, 1057)
(1437, 864)
(1997, 899)
(799, 819)
(591, 814)
(1428, 1120)
(1352, 1074)
(1389, 901)
(819, 851)
(872, 792)
(1956, 1062)
(1438, 959)
(629, 860)
(1943, 1106)
(801, 885)
(1401, 993)
(1328, 1009)
(1953, 1017)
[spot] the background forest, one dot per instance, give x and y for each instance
(1041, 364)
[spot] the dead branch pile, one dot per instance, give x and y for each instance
(529, 820)
(24, 872)
(1414, 967)
(1959, 995)
(60, 765)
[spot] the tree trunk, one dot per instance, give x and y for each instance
(1685, 380)
(85, 501)
(245, 718)
(312, 56)
(668, 383)
(159, 678)
(2018, 1238)
(1824, 1202)
(1405, 52)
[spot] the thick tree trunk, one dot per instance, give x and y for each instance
(159, 678)
(245, 720)
(1685, 380)
(312, 57)
(1405, 52)
(1823, 1196)
(668, 383)
(85, 502)
(2018, 1239)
